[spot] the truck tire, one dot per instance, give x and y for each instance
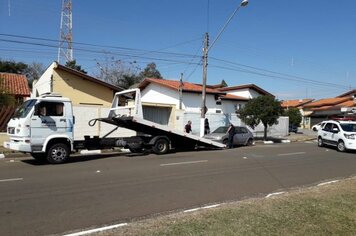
(57, 153)
(135, 148)
(161, 146)
(41, 157)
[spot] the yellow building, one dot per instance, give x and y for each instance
(81, 88)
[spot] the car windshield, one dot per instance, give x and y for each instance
(24, 109)
(221, 129)
(349, 127)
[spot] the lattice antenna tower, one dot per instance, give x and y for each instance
(65, 50)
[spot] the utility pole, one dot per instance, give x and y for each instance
(205, 64)
(65, 50)
(205, 67)
(181, 91)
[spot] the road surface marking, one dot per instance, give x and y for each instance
(199, 208)
(274, 194)
(183, 163)
(211, 206)
(191, 210)
(330, 182)
(97, 230)
(245, 158)
(9, 180)
(291, 154)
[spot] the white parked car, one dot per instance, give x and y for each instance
(341, 134)
(318, 126)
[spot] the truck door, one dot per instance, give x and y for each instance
(48, 119)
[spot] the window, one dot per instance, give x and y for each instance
(49, 109)
(328, 127)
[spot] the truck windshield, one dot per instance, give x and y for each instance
(24, 109)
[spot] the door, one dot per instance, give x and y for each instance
(48, 119)
(159, 115)
(241, 135)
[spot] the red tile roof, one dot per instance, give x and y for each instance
(327, 102)
(174, 84)
(295, 103)
(15, 84)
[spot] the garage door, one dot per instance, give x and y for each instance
(158, 115)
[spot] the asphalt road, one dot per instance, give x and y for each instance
(40, 199)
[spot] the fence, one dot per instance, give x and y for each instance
(5, 115)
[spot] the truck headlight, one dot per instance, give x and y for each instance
(349, 136)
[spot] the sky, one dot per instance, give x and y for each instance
(293, 49)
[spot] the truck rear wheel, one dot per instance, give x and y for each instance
(58, 153)
(161, 146)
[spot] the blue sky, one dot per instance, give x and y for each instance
(293, 49)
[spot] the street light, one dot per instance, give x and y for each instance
(205, 64)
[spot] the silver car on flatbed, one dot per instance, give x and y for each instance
(242, 135)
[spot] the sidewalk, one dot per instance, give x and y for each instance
(301, 135)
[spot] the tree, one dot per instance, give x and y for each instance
(150, 72)
(119, 73)
(294, 116)
(265, 109)
(73, 65)
(34, 72)
(13, 67)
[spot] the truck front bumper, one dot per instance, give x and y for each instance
(18, 146)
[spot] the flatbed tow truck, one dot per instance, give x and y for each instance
(44, 127)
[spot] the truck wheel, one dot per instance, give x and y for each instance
(41, 157)
(341, 146)
(135, 148)
(161, 146)
(58, 153)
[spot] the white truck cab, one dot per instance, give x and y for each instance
(38, 123)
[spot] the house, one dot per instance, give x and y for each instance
(16, 86)
(81, 88)
(323, 109)
(173, 103)
(299, 103)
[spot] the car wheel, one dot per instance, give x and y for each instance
(58, 153)
(320, 142)
(249, 142)
(341, 146)
(225, 141)
(314, 129)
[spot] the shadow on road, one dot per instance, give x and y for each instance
(84, 158)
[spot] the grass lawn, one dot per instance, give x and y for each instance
(323, 210)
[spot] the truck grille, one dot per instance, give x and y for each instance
(11, 130)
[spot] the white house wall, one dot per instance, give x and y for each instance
(158, 94)
(246, 93)
(43, 85)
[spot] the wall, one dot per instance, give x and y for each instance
(81, 91)
(43, 85)
(246, 93)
